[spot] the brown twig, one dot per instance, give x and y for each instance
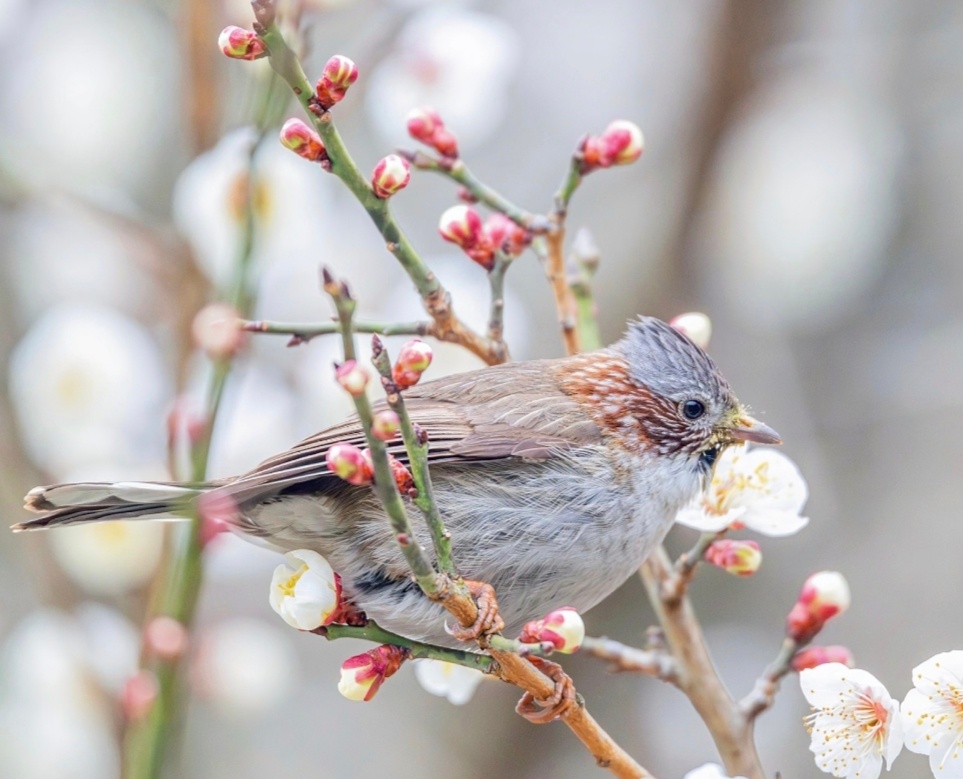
(657, 663)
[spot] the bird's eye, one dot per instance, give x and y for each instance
(693, 409)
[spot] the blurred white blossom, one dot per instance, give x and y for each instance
(453, 60)
(448, 680)
(933, 713)
(855, 723)
(244, 666)
(89, 385)
(759, 489)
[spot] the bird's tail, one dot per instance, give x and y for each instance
(71, 504)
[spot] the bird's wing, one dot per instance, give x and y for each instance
(516, 410)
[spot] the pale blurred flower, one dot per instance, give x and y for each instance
(759, 489)
(93, 52)
(456, 61)
(933, 713)
(448, 680)
(54, 724)
(696, 326)
(166, 637)
(710, 771)
(111, 644)
(217, 330)
(109, 558)
(88, 384)
(855, 723)
(804, 201)
(244, 666)
(305, 590)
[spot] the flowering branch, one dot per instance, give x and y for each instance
(436, 298)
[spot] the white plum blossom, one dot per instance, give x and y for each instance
(855, 723)
(759, 489)
(448, 680)
(933, 713)
(710, 771)
(305, 590)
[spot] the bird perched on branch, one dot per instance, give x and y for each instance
(556, 478)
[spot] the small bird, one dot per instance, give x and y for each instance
(556, 479)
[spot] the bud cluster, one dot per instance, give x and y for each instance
(339, 73)
(620, 144)
(356, 466)
(563, 628)
(462, 226)
(425, 125)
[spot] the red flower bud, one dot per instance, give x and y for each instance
(217, 330)
(362, 675)
(138, 695)
(217, 512)
(350, 463)
(818, 655)
(352, 378)
(339, 73)
(390, 175)
(413, 360)
(563, 628)
(241, 44)
(463, 226)
(823, 596)
(303, 141)
(620, 144)
(506, 236)
(385, 425)
(741, 558)
(425, 125)
(165, 637)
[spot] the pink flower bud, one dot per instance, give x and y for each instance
(185, 419)
(385, 425)
(217, 330)
(138, 695)
(362, 675)
(241, 44)
(391, 175)
(563, 628)
(303, 141)
(823, 596)
(339, 73)
(696, 326)
(461, 225)
(349, 463)
(218, 513)
(620, 144)
(413, 360)
(503, 234)
(352, 378)
(741, 558)
(818, 655)
(425, 125)
(165, 637)
(403, 479)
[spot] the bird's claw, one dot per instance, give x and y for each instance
(562, 699)
(488, 621)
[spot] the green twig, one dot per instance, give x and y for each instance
(371, 631)
(302, 333)
(496, 282)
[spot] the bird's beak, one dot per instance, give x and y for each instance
(745, 428)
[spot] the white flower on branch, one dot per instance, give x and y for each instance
(855, 723)
(759, 489)
(305, 591)
(448, 680)
(933, 713)
(710, 771)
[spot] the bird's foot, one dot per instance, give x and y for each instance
(488, 621)
(562, 699)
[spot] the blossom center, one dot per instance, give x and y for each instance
(287, 587)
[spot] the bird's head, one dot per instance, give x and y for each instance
(684, 406)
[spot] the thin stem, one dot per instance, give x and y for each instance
(302, 333)
(763, 693)
(698, 678)
(496, 282)
(571, 182)
(374, 632)
(652, 662)
(435, 297)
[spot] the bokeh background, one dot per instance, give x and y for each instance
(802, 183)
